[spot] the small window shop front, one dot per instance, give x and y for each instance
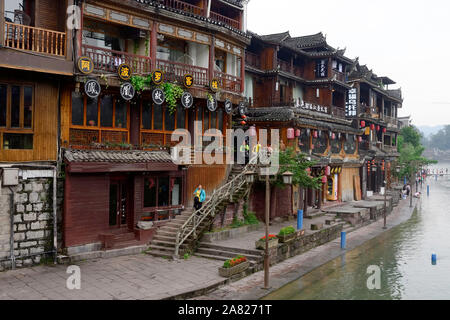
(350, 144)
(320, 143)
(163, 196)
(303, 141)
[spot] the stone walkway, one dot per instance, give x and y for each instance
(145, 277)
(250, 288)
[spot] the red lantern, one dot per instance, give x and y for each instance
(359, 139)
(372, 127)
(328, 170)
(243, 123)
(378, 128)
(384, 130)
(244, 116)
(324, 179)
(363, 124)
(308, 170)
(297, 133)
(333, 136)
(290, 133)
(315, 134)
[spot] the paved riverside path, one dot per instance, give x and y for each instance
(146, 277)
(251, 287)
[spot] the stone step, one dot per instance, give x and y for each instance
(167, 233)
(161, 237)
(229, 254)
(124, 237)
(126, 244)
(222, 248)
(163, 243)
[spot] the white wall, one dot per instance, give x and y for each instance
(248, 86)
(199, 53)
(297, 92)
(233, 67)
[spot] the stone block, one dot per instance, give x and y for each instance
(21, 227)
(29, 217)
(317, 226)
(38, 207)
(35, 226)
(27, 262)
(20, 198)
(17, 218)
(28, 244)
(37, 187)
(35, 234)
(20, 208)
(28, 187)
(36, 250)
(34, 197)
(29, 208)
(44, 216)
(19, 236)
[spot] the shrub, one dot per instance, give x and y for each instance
(286, 231)
(234, 262)
(250, 218)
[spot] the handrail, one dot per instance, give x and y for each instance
(193, 222)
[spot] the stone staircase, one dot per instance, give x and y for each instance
(216, 252)
(188, 227)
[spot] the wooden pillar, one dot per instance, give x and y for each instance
(2, 22)
(135, 123)
(79, 33)
(212, 62)
(243, 72)
(154, 44)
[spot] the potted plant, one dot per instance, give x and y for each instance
(261, 243)
(234, 266)
(287, 234)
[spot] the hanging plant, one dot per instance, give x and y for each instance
(141, 83)
(104, 78)
(209, 97)
(173, 92)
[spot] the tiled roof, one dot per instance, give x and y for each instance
(117, 156)
(310, 41)
(276, 37)
(270, 114)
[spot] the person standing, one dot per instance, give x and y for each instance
(245, 149)
(199, 197)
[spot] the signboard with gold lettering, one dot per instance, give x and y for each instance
(188, 80)
(214, 85)
(124, 72)
(157, 77)
(85, 65)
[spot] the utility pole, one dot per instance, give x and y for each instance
(266, 255)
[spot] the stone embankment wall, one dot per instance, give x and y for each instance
(33, 221)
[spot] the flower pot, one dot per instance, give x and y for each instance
(261, 244)
(228, 272)
(287, 238)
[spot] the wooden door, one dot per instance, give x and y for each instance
(118, 203)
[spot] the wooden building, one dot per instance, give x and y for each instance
(117, 150)
(376, 111)
(299, 86)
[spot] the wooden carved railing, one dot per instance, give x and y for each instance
(208, 209)
(252, 60)
(39, 40)
(108, 60)
(183, 6)
(228, 82)
(284, 65)
(339, 75)
(176, 71)
(220, 18)
(338, 112)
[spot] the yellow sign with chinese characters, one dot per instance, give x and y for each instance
(124, 72)
(85, 65)
(188, 81)
(214, 85)
(157, 77)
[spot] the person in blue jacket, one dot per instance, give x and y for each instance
(199, 197)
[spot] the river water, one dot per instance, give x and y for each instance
(403, 254)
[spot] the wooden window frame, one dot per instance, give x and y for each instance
(20, 129)
(98, 127)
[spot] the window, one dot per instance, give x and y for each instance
(163, 120)
(163, 191)
(320, 144)
(336, 146)
(147, 115)
(350, 144)
(111, 111)
(171, 49)
(16, 116)
(221, 61)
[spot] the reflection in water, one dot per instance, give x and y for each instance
(403, 254)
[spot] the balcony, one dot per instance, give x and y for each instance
(391, 120)
(284, 66)
(27, 38)
(175, 71)
(252, 60)
(106, 60)
(337, 112)
(195, 10)
(229, 82)
(369, 111)
(339, 76)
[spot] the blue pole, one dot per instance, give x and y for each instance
(299, 219)
(343, 239)
(428, 190)
(434, 258)
(405, 180)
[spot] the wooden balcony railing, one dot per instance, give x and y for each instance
(220, 18)
(175, 71)
(339, 76)
(284, 66)
(108, 60)
(183, 6)
(338, 112)
(252, 60)
(33, 39)
(298, 72)
(228, 82)
(391, 120)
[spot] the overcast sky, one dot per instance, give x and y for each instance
(406, 40)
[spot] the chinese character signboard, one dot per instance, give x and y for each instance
(124, 72)
(92, 88)
(242, 108)
(187, 100)
(322, 69)
(85, 65)
(351, 105)
(211, 104)
(157, 77)
(158, 96)
(313, 107)
(214, 85)
(228, 106)
(188, 81)
(127, 91)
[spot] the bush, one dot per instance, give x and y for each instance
(286, 231)
(250, 219)
(234, 262)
